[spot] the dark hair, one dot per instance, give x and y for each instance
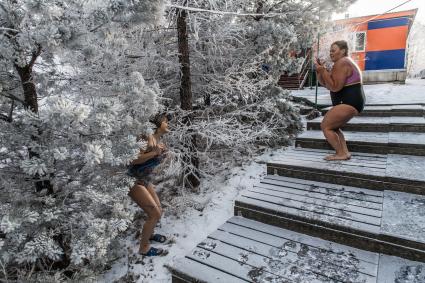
(342, 44)
(158, 118)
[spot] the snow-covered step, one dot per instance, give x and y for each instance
(405, 173)
(382, 221)
(390, 110)
(369, 142)
(243, 250)
(378, 124)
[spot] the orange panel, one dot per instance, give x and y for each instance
(387, 38)
(359, 58)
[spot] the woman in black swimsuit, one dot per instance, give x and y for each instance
(345, 84)
(143, 192)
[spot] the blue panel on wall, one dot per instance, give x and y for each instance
(388, 59)
(388, 23)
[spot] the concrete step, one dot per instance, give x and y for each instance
(365, 170)
(243, 250)
(369, 142)
(378, 124)
(380, 221)
(390, 110)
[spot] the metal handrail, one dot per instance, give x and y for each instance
(304, 70)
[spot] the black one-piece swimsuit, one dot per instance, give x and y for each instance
(352, 93)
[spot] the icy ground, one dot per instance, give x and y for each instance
(189, 229)
(413, 92)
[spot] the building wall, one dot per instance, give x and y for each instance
(386, 44)
(386, 39)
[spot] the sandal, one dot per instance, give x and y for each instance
(158, 238)
(154, 252)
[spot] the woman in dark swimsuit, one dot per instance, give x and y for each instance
(143, 192)
(345, 84)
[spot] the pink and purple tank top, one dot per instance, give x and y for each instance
(355, 77)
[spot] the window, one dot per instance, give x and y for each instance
(359, 41)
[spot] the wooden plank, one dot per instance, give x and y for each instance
(274, 268)
(303, 207)
(332, 167)
(311, 216)
(221, 263)
(316, 262)
(373, 157)
(311, 198)
(189, 270)
(348, 178)
(363, 199)
(412, 139)
(312, 193)
(360, 154)
(369, 137)
(373, 196)
(358, 157)
(276, 236)
(407, 121)
(353, 162)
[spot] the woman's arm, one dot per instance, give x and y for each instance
(335, 80)
(143, 157)
(157, 150)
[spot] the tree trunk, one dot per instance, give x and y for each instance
(30, 98)
(186, 95)
(30, 93)
(183, 42)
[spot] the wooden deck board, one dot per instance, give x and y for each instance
(242, 250)
(339, 218)
(370, 195)
(325, 202)
(188, 270)
(340, 195)
(293, 205)
(288, 235)
(393, 176)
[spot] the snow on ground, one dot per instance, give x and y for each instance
(413, 92)
(193, 226)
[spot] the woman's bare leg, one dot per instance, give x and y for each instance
(334, 119)
(152, 192)
(343, 143)
(144, 200)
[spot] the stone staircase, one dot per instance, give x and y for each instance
(311, 220)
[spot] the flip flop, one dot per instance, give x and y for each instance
(154, 252)
(158, 238)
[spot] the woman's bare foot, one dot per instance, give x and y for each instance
(335, 157)
(143, 249)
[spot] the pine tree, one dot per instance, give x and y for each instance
(71, 108)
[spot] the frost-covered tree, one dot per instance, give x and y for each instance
(237, 105)
(71, 106)
(416, 53)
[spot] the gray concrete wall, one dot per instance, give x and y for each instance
(383, 76)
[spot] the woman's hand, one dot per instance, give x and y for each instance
(319, 66)
(159, 149)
